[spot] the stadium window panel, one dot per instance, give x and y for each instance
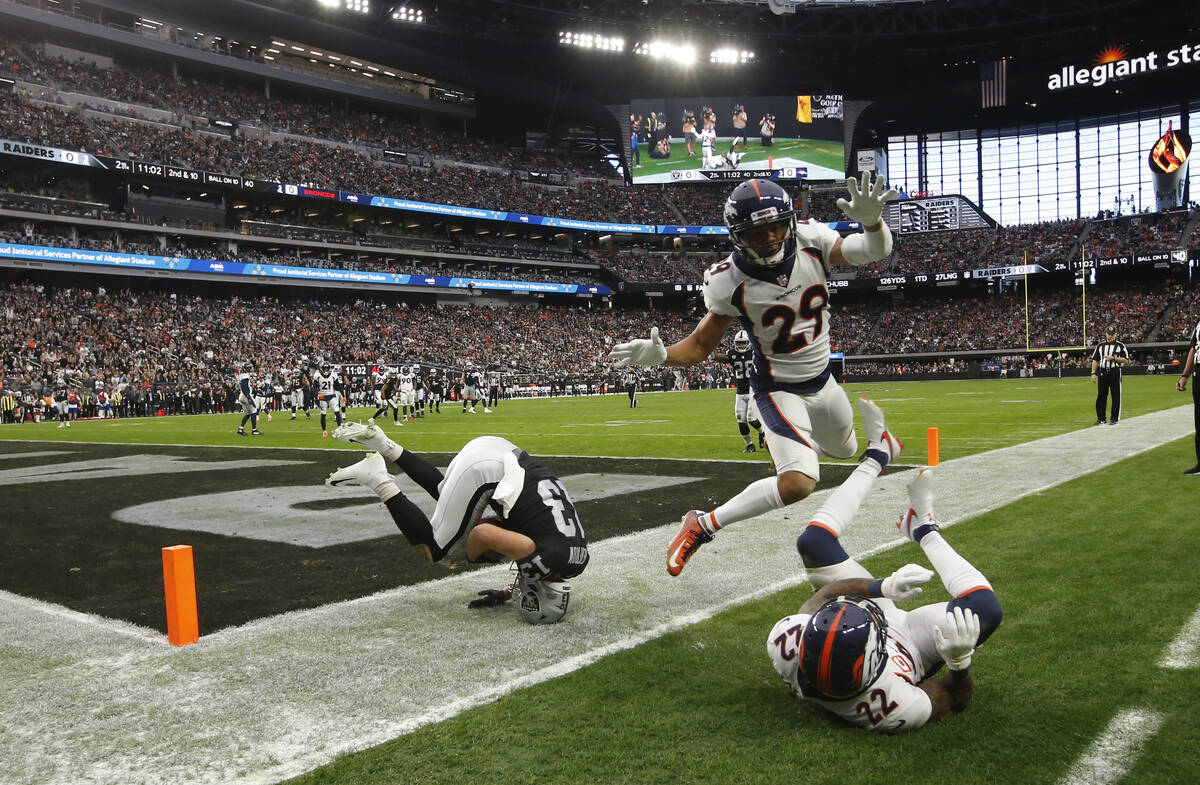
(990, 158)
(968, 167)
(934, 161)
(1193, 128)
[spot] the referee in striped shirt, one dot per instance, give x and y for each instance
(1191, 368)
(1107, 359)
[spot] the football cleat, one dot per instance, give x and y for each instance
(918, 520)
(749, 448)
(689, 539)
(240, 431)
(370, 436)
(486, 410)
(256, 432)
(324, 434)
(369, 472)
(875, 426)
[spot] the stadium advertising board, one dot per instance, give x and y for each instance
(183, 264)
(1113, 63)
(693, 139)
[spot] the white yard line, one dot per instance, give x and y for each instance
(1114, 751)
(1184, 651)
(279, 696)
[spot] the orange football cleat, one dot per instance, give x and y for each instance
(689, 539)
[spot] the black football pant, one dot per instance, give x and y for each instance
(1108, 382)
(1196, 414)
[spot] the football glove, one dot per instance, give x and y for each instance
(866, 203)
(640, 351)
(905, 583)
(955, 640)
(489, 598)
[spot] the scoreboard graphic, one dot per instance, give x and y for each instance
(934, 214)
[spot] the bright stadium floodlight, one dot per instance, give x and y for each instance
(604, 43)
(359, 6)
(730, 56)
(404, 13)
(681, 54)
(328, 3)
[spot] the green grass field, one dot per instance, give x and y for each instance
(1096, 575)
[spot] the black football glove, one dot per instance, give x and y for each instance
(489, 598)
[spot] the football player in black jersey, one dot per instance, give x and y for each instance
(532, 520)
(744, 410)
(472, 381)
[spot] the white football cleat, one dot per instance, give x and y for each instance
(370, 472)
(370, 436)
(875, 426)
(920, 507)
(486, 410)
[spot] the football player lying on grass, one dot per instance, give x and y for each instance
(853, 651)
(533, 521)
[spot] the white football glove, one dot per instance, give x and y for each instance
(956, 640)
(640, 351)
(905, 583)
(866, 203)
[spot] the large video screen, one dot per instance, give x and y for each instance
(727, 138)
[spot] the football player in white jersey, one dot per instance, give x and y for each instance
(325, 380)
(379, 377)
(408, 391)
(853, 651)
(774, 285)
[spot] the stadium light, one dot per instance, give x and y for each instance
(359, 6)
(731, 56)
(683, 54)
(604, 43)
(404, 13)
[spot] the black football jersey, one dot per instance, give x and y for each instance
(743, 367)
(544, 513)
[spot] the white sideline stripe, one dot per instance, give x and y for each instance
(1184, 651)
(15, 602)
(1115, 750)
(299, 689)
(39, 454)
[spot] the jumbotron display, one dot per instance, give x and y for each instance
(796, 137)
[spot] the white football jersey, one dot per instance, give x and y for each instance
(325, 382)
(787, 318)
(406, 380)
(378, 377)
(893, 703)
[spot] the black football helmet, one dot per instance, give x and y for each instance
(756, 203)
(843, 648)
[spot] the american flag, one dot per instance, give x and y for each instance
(993, 83)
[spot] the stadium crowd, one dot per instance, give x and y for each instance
(199, 96)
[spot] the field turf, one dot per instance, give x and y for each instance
(1096, 576)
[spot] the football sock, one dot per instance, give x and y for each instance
(253, 421)
(412, 523)
(323, 428)
(842, 505)
(958, 575)
(758, 497)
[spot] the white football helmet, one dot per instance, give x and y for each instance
(540, 602)
(741, 341)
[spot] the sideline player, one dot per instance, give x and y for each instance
(774, 284)
(853, 651)
(471, 382)
(326, 382)
(246, 401)
(1192, 368)
(533, 520)
(744, 411)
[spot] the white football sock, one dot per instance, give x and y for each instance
(758, 497)
(386, 489)
(958, 575)
(842, 505)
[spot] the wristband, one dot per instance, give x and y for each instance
(876, 588)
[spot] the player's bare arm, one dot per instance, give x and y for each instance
(950, 695)
(702, 341)
(903, 584)
(489, 542)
